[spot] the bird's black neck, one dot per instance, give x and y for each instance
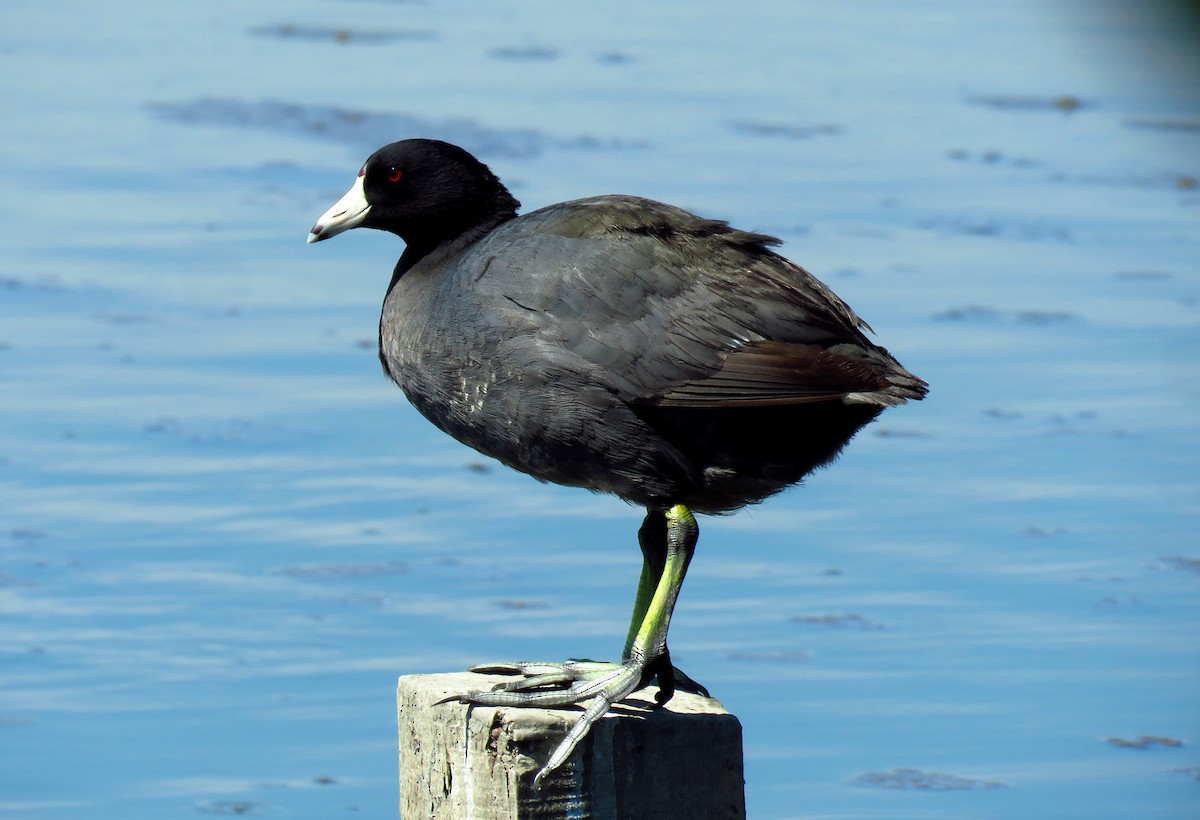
(424, 234)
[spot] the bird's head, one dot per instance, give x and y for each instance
(424, 191)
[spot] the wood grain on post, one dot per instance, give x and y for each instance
(458, 761)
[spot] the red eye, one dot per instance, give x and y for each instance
(394, 175)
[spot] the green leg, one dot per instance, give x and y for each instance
(675, 543)
(655, 538)
(652, 538)
(668, 540)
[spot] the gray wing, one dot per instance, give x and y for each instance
(666, 308)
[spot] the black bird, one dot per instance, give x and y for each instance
(618, 344)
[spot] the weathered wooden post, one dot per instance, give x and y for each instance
(458, 761)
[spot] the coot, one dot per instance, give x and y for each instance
(618, 344)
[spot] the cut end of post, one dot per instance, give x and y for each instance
(683, 760)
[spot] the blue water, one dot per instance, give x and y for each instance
(223, 534)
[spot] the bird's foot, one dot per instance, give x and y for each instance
(566, 683)
(547, 685)
(554, 684)
(561, 684)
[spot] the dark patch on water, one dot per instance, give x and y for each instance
(1162, 180)
(1063, 103)
(370, 129)
(344, 570)
(1179, 126)
(524, 53)
(1182, 563)
(518, 605)
(289, 31)
(1142, 275)
(233, 808)
(1145, 742)
(1043, 317)
(985, 313)
(990, 157)
(614, 58)
(42, 283)
(783, 130)
(370, 599)
(1034, 531)
(850, 620)
(125, 318)
(893, 432)
(923, 781)
(1116, 602)
(366, 129)
(1170, 180)
(992, 229)
(26, 538)
(218, 431)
